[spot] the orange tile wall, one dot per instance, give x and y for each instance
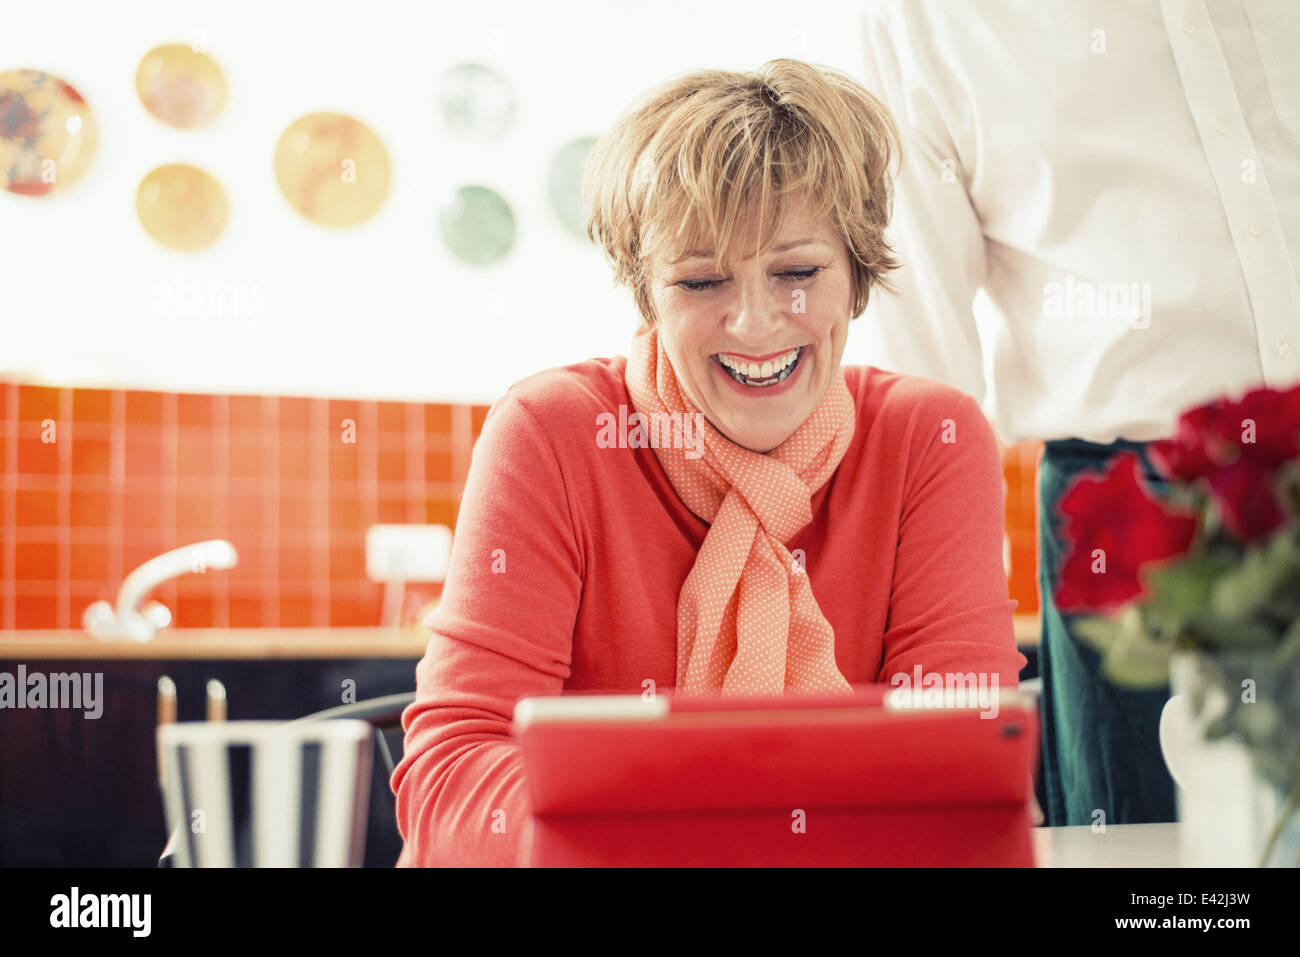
(95, 482)
(131, 474)
(1020, 470)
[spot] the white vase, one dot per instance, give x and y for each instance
(1226, 809)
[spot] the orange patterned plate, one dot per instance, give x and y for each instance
(47, 133)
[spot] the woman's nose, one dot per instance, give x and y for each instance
(757, 314)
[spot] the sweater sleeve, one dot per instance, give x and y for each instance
(503, 630)
(949, 611)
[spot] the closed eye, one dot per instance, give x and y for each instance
(793, 275)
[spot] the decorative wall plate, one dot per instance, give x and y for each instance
(476, 100)
(564, 184)
(47, 133)
(180, 86)
(181, 206)
(478, 225)
(332, 168)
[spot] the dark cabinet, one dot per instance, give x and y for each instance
(83, 792)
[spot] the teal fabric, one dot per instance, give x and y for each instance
(1100, 743)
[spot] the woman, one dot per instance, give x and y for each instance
(791, 525)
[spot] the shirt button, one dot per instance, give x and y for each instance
(1256, 230)
(1284, 350)
(1189, 27)
(1221, 127)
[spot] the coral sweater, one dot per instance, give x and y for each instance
(568, 559)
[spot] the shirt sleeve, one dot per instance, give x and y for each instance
(503, 630)
(928, 326)
(949, 611)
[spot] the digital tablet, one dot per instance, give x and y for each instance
(871, 779)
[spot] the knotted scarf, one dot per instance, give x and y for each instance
(747, 621)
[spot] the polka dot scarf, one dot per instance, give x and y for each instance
(747, 621)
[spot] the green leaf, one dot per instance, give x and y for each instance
(1134, 658)
(1276, 769)
(1288, 651)
(1283, 609)
(1211, 632)
(1182, 589)
(1246, 590)
(1096, 630)
(1257, 723)
(1289, 479)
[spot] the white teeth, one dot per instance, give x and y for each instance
(759, 370)
(755, 371)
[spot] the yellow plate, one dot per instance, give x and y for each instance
(332, 168)
(181, 206)
(180, 86)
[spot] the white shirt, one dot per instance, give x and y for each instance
(1122, 178)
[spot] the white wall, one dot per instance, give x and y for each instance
(383, 310)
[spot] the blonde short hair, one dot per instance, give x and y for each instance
(684, 165)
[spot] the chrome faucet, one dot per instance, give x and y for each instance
(135, 619)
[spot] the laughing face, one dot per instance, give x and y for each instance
(756, 347)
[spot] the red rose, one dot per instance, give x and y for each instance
(1115, 514)
(1247, 499)
(1275, 417)
(1195, 450)
(1237, 447)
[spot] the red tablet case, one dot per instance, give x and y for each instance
(799, 781)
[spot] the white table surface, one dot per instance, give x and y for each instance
(1120, 845)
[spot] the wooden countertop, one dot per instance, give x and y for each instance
(200, 643)
(255, 643)
(1027, 627)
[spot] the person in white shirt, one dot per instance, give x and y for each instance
(1122, 181)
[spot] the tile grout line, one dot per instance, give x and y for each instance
(10, 560)
(271, 522)
(322, 432)
(369, 508)
(221, 494)
(65, 510)
(170, 485)
(416, 442)
(117, 483)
